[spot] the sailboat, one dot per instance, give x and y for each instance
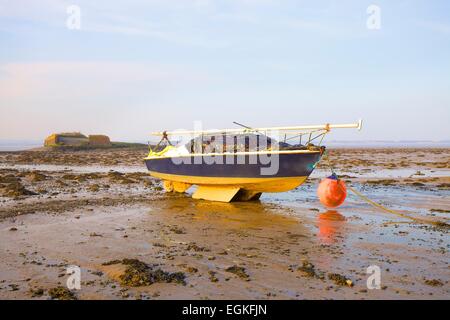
(238, 164)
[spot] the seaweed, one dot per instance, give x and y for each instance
(110, 263)
(212, 276)
(61, 293)
(37, 177)
(434, 282)
(340, 279)
(307, 269)
(239, 271)
(191, 269)
(94, 188)
(138, 274)
(38, 292)
(196, 248)
(386, 182)
(16, 189)
(440, 210)
(177, 230)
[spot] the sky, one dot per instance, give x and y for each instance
(137, 66)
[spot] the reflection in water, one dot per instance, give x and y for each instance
(234, 215)
(330, 226)
(252, 214)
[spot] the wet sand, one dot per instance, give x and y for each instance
(88, 208)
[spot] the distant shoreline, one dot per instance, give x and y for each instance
(14, 148)
(17, 147)
(390, 144)
(27, 145)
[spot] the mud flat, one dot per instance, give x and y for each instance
(99, 210)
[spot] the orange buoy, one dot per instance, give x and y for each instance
(332, 191)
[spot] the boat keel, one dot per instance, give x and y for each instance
(216, 193)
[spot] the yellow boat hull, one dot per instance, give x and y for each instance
(228, 189)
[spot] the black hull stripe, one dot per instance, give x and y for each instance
(290, 165)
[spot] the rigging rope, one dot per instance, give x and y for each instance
(419, 220)
(377, 205)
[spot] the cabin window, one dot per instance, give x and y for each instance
(235, 143)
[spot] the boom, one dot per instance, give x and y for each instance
(294, 129)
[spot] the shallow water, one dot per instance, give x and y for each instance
(386, 173)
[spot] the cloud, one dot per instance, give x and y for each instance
(167, 21)
(181, 22)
